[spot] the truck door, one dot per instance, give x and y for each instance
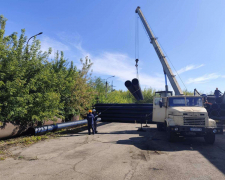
(159, 113)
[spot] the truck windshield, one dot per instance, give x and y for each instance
(185, 101)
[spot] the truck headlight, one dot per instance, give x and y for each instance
(214, 131)
(176, 129)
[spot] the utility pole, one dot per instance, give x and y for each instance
(106, 84)
(32, 37)
(112, 87)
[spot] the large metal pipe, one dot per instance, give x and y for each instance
(120, 111)
(222, 113)
(219, 100)
(215, 113)
(131, 88)
(55, 127)
(10, 130)
(208, 107)
(222, 106)
(125, 115)
(123, 104)
(125, 112)
(122, 107)
(215, 106)
(135, 83)
(223, 98)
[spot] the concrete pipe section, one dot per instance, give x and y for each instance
(10, 130)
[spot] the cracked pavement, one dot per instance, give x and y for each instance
(117, 152)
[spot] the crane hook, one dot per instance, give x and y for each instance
(136, 60)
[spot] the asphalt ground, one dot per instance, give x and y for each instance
(117, 152)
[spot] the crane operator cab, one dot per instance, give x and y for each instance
(183, 116)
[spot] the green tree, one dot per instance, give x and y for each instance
(82, 94)
(27, 84)
(188, 93)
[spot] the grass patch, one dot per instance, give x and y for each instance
(20, 157)
(2, 158)
(25, 141)
(2, 152)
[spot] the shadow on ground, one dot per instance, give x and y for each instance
(156, 141)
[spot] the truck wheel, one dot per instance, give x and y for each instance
(160, 127)
(209, 138)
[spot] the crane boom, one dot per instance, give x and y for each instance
(162, 58)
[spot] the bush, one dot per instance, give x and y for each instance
(34, 88)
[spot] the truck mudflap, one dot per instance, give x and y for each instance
(193, 130)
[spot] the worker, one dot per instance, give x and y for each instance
(95, 120)
(204, 97)
(217, 93)
(90, 119)
(206, 102)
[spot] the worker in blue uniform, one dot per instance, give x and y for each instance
(95, 119)
(217, 93)
(90, 119)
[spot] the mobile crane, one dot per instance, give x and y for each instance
(180, 115)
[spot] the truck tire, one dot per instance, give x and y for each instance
(209, 138)
(160, 127)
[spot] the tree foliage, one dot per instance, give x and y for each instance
(119, 96)
(34, 88)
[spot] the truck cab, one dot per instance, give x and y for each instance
(183, 116)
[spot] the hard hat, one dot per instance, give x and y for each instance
(93, 110)
(90, 111)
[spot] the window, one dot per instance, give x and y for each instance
(157, 101)
(177, 101)
(193, 101)
(185, 101)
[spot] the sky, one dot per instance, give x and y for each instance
(191, 33)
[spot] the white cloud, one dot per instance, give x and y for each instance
(47, 42)
(188, 68)
(119, 65)
(82, 51)
(106, 63)
(75, 41)
(203, 79)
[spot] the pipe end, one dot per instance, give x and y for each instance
(128, 83)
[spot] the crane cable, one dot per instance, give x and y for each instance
(136, 45)
(164, 53)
